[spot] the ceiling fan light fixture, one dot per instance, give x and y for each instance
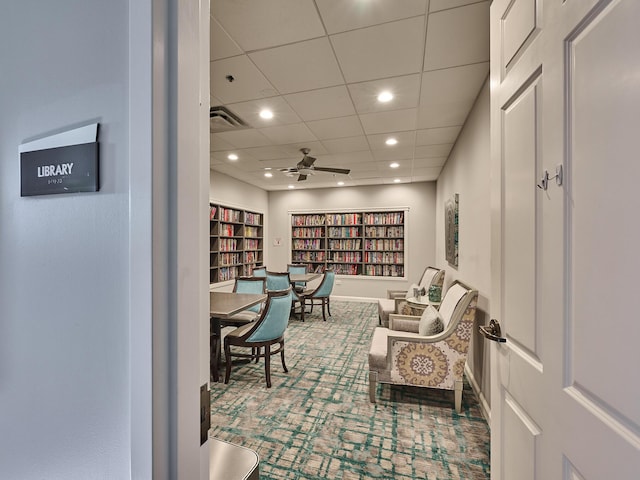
(385, 96)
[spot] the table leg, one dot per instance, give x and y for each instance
(214, 350)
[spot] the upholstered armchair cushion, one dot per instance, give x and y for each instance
(430, 322)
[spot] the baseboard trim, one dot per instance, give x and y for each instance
(484, 405)
(355, 299)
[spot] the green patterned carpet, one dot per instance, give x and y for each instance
(316, 422)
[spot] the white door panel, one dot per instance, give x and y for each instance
(565, 91)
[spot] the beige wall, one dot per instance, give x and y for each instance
(467, 173)
(420, 198)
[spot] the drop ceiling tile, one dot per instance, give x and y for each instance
(350, 158)
(393, 121)
(321, 104)
(266, 153)
(217, 144)
(300, 66)
(448, 95)
(221, 45)
(297, 132)
(340, 16)
(434, 136)
(336, 127)
(248, 83)
(240, 152)
(459, 36)
(406, 91)
(256, 24)
(400, 153)
(315, 148)
(249, 111)
(437, 5)
(428, 151)
(382, 51)
(429, 162)
(244, 138)
(346, 145)
(405, 139)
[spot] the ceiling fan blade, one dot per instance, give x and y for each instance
(306, 161)
(343, 171)
(301, 177)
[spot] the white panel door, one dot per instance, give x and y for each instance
(565, 92)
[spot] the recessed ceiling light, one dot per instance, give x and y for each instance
(385, 96)
(340, 183)
(394, 165)
(397, 180)
(232, 156)
(267, 168)
(391, 141)
(266, 114)
(268, 174)
(291, 186)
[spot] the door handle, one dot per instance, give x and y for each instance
(492, 331)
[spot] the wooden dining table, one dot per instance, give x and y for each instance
(223, 305)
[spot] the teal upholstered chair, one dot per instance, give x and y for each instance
(259, 272)
(319, 295)
(267, 330)
(278, 281)
(298, 268)
(247, 285)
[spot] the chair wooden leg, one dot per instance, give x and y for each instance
(267, 364)
(373, 383)
(329, 305)
(323, 307)
(282, 357)
(458, 396)
(303, 305)
(227, 359)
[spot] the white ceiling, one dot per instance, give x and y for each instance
(319, 66)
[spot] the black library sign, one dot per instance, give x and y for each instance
(60, 169)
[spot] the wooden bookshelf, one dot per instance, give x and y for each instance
(350, 243)
(235, 242)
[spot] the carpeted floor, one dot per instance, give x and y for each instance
(316, 422)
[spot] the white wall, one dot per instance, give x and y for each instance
(64, 284)
(419, 230)
(467, 173)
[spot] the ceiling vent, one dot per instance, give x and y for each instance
(222, 119)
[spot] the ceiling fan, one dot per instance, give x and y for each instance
(305, 167)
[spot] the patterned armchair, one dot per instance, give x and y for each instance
(400, 355)
(431, 276)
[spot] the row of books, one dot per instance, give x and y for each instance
(301, 257)
(384, 232)
(253, 218)
(307, 244)
(226, 259)
(384, 270)
(344, 219)
(344, 244)
(300, 220)
(228, 215)
(387, 218)
(251, 244)
(344, 269)
(384, 257)
(348, 257)
(307, 232)
(251, 231)
(395, 244)
(227, 245)
(344, 232)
